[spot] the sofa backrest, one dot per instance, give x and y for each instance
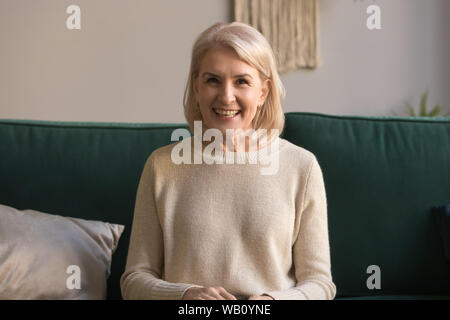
(382, 176)
(82, 170)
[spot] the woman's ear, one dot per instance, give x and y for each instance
(265, 89)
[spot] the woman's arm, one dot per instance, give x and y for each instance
(311, 251)
(145, 261)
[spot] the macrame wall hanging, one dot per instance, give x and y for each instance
(290, 26)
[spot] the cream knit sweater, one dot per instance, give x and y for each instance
(227, 225)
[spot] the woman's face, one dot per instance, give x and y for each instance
(228, 90)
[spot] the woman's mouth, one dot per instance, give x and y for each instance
(226, 114)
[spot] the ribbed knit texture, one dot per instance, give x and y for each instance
(228, 225)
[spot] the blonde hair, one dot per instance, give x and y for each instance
(251, 46)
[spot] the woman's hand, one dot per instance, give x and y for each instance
(208, 293)
(256, 297)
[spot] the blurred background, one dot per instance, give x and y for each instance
(130, 59)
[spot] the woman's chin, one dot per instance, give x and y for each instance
(220, 125)
(227, 126)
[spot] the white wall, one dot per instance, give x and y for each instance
(129, 62)
(374, 72)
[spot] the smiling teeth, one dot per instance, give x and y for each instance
(226, 112)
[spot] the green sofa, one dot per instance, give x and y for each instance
(382, 177)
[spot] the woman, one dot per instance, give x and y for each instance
(225, 231)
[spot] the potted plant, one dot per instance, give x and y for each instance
(423, 112)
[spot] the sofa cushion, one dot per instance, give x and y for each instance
(442, 215)
(382, 176)
(44, 256)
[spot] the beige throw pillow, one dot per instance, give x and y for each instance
(44, 256)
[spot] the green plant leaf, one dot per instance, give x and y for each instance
(435, 112)
(423, 104)
(411, 112)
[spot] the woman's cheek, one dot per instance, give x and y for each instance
(208, 95)
(249, 97)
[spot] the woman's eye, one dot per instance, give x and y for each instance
(214, 80)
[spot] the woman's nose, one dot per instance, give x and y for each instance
(227, 94)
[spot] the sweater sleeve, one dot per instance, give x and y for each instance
(311, 251)
(142, 278)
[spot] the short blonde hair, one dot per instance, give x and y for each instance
(251, 46)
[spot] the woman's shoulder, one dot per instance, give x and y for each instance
(163, 151)
(296, 153)
(162, 155)
(301, 160)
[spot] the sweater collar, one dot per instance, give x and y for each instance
(268, 149)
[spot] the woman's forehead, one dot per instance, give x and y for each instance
(222, 60)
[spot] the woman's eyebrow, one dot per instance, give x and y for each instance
(236, 76)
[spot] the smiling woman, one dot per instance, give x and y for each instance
(225, 231)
